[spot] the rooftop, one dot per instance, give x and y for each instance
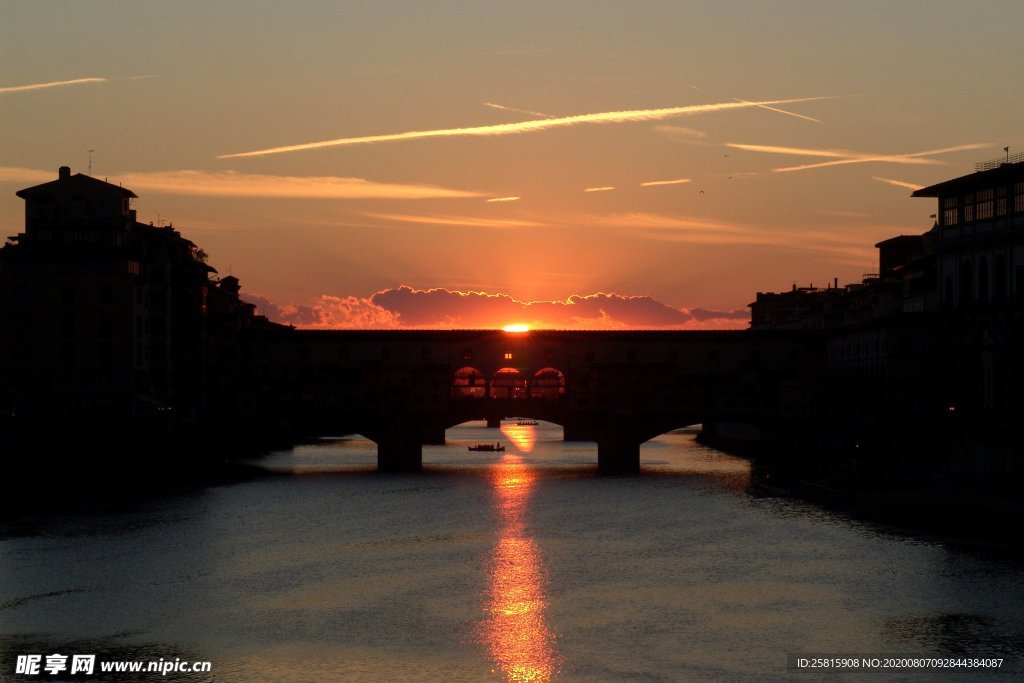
(79, 182)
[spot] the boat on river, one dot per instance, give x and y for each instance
(491, 447)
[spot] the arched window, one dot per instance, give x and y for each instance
(508, 383)
(468, 382)
(547, 383)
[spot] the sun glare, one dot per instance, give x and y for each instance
(516, 327)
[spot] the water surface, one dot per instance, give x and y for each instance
(521, 565)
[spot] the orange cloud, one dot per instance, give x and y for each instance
(15, 174)
(440, 308)
(232, 184)
(459, 221)
(328, 312)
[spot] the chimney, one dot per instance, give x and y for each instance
(64, 172)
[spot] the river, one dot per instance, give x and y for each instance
(517, 565)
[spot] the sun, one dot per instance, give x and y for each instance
(516, 327)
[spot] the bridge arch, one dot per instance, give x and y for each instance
(547, 383)
(508, 383)
(468, 382)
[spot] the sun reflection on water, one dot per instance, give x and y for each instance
(523, 437)
(516, 632)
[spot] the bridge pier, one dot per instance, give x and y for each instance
(399, 453)
(433, 435)
(618, 454)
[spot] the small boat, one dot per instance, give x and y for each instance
(527, 423)
(492, 447)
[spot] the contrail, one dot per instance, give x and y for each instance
(51, 84)
(76, 81)
(898, 183)
(842, 157)
(782, 111)
(915, 158)
(606, 188)
(797, 151)
(522, 126)
(521, 111)
(652, 183)
(503, 199)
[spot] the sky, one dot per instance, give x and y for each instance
(568, 164)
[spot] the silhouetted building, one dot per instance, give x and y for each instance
(102, 314)
(979, 274)
(935, 337)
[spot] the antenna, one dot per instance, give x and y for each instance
(90, 160)
(1007, 150)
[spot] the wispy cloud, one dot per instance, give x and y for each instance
(843, 156)
(74, 81)
(605, 188)
(458, 221)
(232, 184)
(681, 134)
(51, 84)
(503, 199)
(783, 111)
(898, 183)
(655, 183)
(13, 174)
(698, 230)
(542, 115)
(523, 126)
(799, 151)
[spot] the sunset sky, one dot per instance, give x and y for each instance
(558, 163)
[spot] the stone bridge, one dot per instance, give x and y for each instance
(402, 389)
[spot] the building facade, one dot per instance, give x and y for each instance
(101, 315)
(935, 337)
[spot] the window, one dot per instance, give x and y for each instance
(949, 216)
(508, 355)
(1018, 198)
(985, 207)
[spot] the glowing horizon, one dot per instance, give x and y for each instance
(535, 161)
